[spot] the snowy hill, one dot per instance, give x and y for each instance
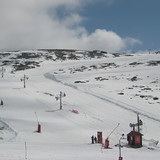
(103, 91)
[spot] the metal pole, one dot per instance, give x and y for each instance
(138, 122)
(2, 71)
(60, 100)
(149, 51)
(24, 81)
(119, 148)
(25, 151)
(113, 130)
(36, 117)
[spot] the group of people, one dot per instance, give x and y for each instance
(94, 140)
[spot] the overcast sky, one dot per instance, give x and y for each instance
(108, 25)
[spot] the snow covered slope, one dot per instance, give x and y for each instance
(102, 91)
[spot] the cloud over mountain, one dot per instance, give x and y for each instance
(36, 24)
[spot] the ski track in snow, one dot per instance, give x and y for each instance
(108, 99)
(7, 130)
(124, 106)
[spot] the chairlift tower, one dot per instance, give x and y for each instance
(2, 71)
(138, 124)
(24, 80)
(59, 97)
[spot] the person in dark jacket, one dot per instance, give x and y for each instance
(92, 139)
(95, 139)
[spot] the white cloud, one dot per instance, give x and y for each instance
(32, 24)
(103, 39)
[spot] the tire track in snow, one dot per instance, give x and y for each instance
(110, 100)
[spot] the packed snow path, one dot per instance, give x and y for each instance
(117, 103)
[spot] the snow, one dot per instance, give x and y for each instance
(101, 104)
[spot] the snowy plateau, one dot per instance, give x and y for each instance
(99, 91)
